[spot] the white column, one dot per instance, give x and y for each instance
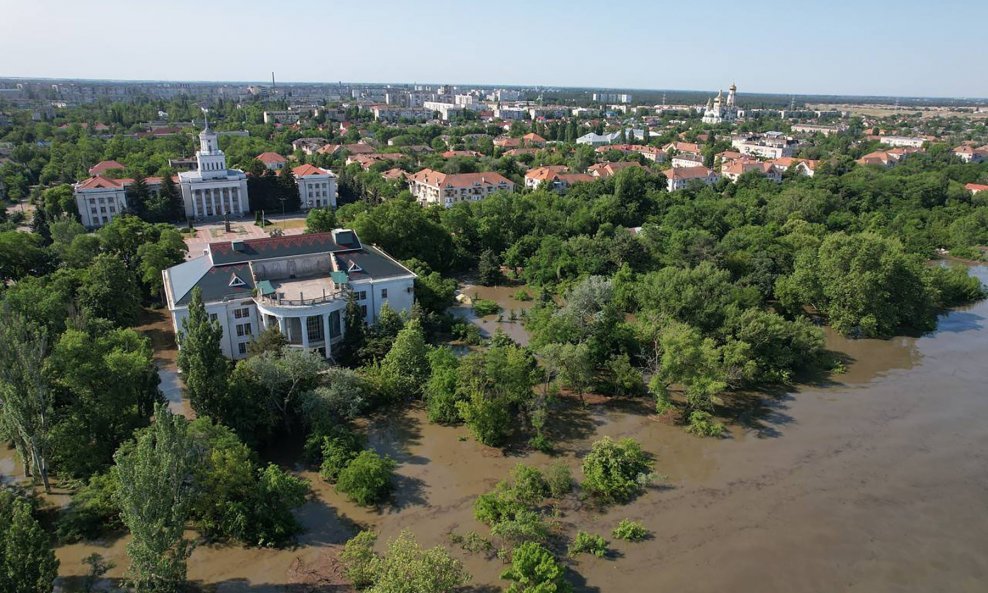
(304, 324)
(325, 334)
(282, 327)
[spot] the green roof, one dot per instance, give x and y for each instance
(265, 287)
(339, 277)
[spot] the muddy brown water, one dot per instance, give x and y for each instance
(503, 296)
(876, 481)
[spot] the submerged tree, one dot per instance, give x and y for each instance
(25, 395)
(27, 560)
(155, 495)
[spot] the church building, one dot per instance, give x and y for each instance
(719, 111)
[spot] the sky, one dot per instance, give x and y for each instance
(930, 48)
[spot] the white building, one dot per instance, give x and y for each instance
(720, 111)
(316, 186)
(432, 187)
(390, 113)
(213, 190)
(680, 178)
(101, 199)
(770, 145)
(902, 141)
(300, 284)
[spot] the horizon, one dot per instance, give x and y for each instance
(467, 85)
(576, 44)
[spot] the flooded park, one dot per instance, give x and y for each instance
(874, 480)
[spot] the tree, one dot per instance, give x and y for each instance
(353, 332)
(172, 197)
(27, 560)
(367, 480)
(269, 340)
(21, 254)
(535, 570)
(288, 189)
(406, 366)
(488, 268)
(404, 568)
(320, 220)
(138, 197)
(201, 360)
(109, 291)
(616, 470)
(155, 497)
(282, 377)
(440, 391)
(106, 385)
(168, 251)
(26, 405)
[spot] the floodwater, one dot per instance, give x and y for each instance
(875, 481)
(503, 296)
(156, 324)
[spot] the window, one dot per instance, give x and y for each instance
(241, 313)
(242, 347)
(363, 310)
(212, 317)
(384, 293)
(244, 329)
(313, 328)
(362, 295)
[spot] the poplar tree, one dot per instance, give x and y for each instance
(155, 495)
(27, 561)
(201, 360)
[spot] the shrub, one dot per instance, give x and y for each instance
(560, 479)
(497, 506)
(337, 452)
(522, 295)
(359, 560)
(530, 486)
(702, 424)
(484, 307)
(588, 543)
(535, 570)
(367, 479)
(631, 531)
(616, 470)
(525, 526)
(92, 512)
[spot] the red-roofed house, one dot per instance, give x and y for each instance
(104, 166)
(970, 154)
(539, 175)
(433, 187)
(680, 177)
(976, 188)
(272, 160)
(316, 186)
(609, 169)
(531, 140)
(738, 167)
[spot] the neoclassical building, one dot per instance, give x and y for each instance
(300, 284)
(720, 111)
(213, 191)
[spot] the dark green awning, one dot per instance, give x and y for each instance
(265, 287)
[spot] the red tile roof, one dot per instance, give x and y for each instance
(104, 166)
(269, 158)
(435, 178)
(307, 169)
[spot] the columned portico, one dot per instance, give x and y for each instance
(308, 326)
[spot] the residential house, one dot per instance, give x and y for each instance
(681, 177)
(432, 187)
(272, 160)
(316, 186)
(609, 169)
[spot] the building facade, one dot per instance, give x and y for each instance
(299, 284)
(316, 186)
(432, 187)
(213, 191)
(101, 199)
(719, 110)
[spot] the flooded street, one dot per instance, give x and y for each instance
(876, 481)
(508, 320)
(156, 324)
